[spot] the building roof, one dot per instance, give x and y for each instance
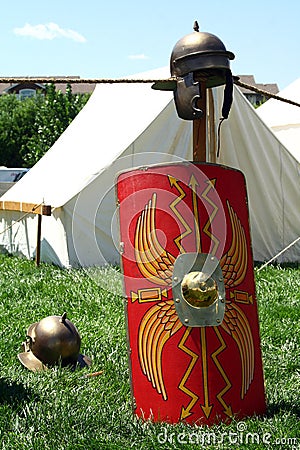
(77, 88)
(249, 79)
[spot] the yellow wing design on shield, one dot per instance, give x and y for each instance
(236, 324)
(234, 262)
(234, 266)
(157, 326)
(161, 322)
(154, 262)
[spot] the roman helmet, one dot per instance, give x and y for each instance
(198, 57)
(51, 341)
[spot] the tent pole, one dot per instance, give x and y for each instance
(38, 240)
(199, 128)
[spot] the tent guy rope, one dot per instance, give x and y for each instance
(266, 93)
(72, 80)
(278, 254)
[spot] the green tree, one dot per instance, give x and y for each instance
(28, 128)
(53, 117)
(17, 125)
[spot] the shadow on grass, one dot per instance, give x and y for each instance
(283, 406)
(12, 393)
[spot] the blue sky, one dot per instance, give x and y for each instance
(111, 39)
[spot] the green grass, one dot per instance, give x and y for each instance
(60, 409)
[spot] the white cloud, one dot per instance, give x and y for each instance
(48, 31)
(139, 56)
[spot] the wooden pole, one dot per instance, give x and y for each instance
(212, 139)
(199, 129)
(31, 208)
(38, 241)
(26, 207)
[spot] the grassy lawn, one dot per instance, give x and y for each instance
(59, 409)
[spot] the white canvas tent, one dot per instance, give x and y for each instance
(284, 118)
(129, 125)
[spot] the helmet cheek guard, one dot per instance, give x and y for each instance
(186, 96)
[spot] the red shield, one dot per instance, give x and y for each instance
(200, 374)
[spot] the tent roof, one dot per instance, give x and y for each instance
(95, 138)
(284, 118)
(276, 113)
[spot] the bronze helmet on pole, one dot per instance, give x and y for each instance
(198, 57)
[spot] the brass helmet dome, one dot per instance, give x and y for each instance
(198, 61)
(51, 341)
(201, 51)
